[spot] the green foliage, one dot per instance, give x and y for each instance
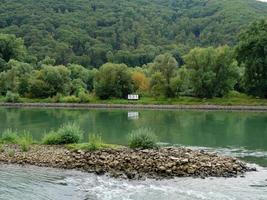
(52, 138)
(95, 142)
(93, 32)
(70, 133)
(180, 84)
(251, 52)
(66, 134)
(69, 99)
(12, 97)
(158, 85)
(214, 71)
(49, 81)
(113, 80)
(164, 68)
(11, 48)
(25, 141)
(71, 39)
(143, 138)
(15, 78)
(10, 136)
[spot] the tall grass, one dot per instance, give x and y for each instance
(9, 136)
(142, 138)
(25, 141)
(95, 142)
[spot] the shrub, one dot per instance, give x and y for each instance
(66, 134)
(52, 138)
(70, 99)
(12, 97)
(25, 146)
(25, 141)
(9, 136)
(95, 142)
(69, 133)
(83, 97)
(143, 138)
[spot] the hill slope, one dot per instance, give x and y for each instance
(92, 32)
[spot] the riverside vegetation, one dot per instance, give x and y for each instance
(144, 158)
(187, 63)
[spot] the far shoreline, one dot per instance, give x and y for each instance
(208, 107)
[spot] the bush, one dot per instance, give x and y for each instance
(25, 141)
(52, 138)
(67, 134)
(12, 97)
(95, 142)
(9, 136)
(143, 138)
(69, 99)
(83, 97)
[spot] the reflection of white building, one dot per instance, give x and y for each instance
(133, 115)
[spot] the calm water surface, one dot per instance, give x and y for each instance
(240, 134)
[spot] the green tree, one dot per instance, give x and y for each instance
(10, 48)
(166, 65)
(113, 80)
(158, 85)
(15, 78)
(50, 80)
(252, 53)
(214, 71)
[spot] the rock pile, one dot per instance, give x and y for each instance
(128, 163)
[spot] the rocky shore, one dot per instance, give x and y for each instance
(127, 163)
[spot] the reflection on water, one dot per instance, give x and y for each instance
(241, 134)
(237, 130)
(32, 183)
(195, 128)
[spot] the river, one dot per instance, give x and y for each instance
(240, 134)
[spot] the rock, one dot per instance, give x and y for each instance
(130, 164)
(162, 168)
(184, 161)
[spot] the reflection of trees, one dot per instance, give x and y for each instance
(197, 128)
(37, 121)
(255, 132)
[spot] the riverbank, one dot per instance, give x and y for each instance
(128, 163)
(138, 106)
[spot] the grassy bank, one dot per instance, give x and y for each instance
(229, 100)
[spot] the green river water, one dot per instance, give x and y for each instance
(240, 134)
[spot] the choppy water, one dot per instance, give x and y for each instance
(32, 183)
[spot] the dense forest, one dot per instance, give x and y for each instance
(70, 48)
(93, 32)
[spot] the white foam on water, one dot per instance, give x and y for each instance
(253, 186)
(30, 183)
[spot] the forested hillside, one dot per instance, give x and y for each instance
(134, 32)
